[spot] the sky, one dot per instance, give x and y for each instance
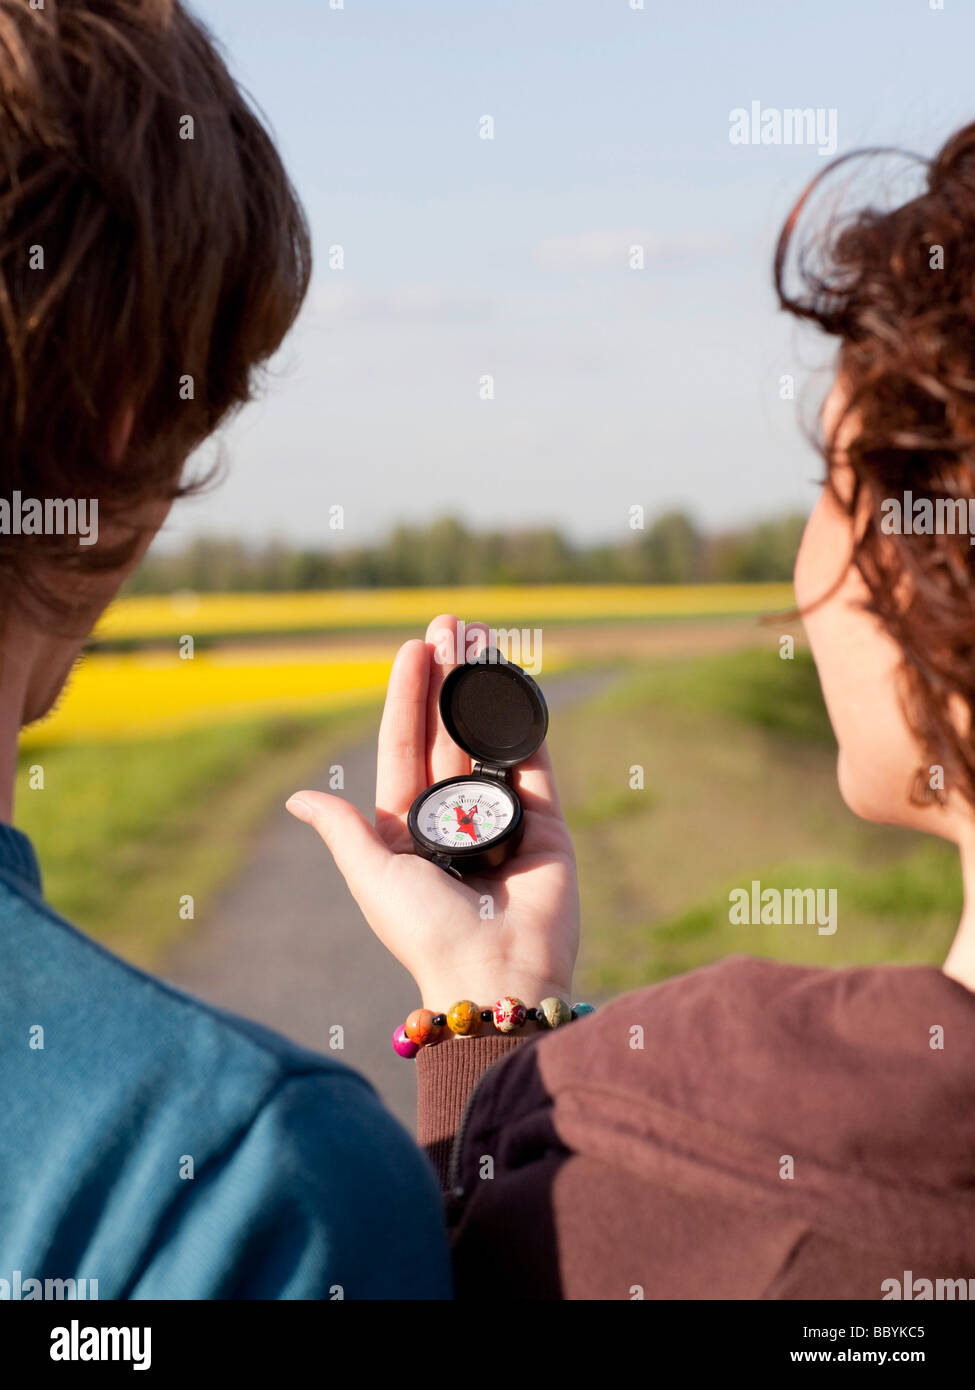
(507, 258)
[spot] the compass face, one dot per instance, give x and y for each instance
(463, 815)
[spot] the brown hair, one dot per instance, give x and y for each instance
(131, 256)
(907, 362)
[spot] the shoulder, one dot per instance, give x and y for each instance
(650, 1029)
(218, 1155)
(321, 1195)
(94, 1009)
(743, 1046)
(695, 1044)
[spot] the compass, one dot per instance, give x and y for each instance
(494, 711)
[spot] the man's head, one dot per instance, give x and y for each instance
(152, 254)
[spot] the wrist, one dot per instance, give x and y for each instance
(441, 993)
(466, 1019)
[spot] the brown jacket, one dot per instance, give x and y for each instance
(750, 1130)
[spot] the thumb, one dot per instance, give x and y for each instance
(358, 851)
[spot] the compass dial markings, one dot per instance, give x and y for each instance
(465, 815)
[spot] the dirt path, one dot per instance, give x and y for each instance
(287, 946)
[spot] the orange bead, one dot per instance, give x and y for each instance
(464, 1018)
(420, 1027)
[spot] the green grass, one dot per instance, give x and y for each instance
(755, 687)
(739, 771)
(739, 784)
(124, 830)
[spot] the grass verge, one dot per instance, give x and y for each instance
(738, 769)
(124, 830)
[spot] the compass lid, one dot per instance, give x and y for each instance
(493, 710)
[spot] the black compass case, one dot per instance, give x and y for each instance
(494, 711)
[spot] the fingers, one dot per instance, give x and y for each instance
(448, 638)
(449, 642)
(402, 763)
(414, 748)
(357, 849)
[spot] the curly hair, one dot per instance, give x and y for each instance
(897, 287)
(152, 255)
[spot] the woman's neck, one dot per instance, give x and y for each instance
(960, 961)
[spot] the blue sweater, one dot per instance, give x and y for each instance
(168, 1150)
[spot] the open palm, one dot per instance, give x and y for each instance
(514, 930)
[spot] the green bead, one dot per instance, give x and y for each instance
(554, 1011)
(580, 1010)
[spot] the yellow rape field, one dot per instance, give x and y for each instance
(202, 615)
(153, 691)
(141, 694)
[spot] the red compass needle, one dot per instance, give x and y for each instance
(466, 823)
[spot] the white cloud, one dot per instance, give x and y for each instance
(610, 249)
(336, 299)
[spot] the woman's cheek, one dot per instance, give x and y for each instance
(858, 667)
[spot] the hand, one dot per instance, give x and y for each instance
(430, 921)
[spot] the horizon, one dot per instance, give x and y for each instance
(509, 257)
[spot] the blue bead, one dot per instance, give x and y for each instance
(580, 1010)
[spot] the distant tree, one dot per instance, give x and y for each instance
(446, 551)
(763, 552)
(669, 552)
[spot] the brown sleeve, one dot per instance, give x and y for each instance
(445, 1076)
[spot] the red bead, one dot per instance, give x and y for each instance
(509, 1013)
(402, 1044)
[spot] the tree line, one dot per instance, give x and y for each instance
(671, 550)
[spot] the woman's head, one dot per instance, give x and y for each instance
(894, 640)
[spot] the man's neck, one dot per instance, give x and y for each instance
(16, 658)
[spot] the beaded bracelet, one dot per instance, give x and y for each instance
(464, 1020)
